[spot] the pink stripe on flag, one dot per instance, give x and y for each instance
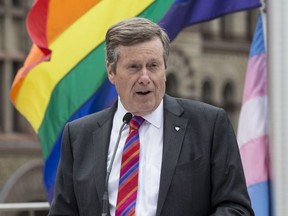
(255, 160)
(256, 78)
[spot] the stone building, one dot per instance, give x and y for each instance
(207, 62)
(20, 154)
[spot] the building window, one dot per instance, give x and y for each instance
(1, 33)
(19, 34)
(172, 85)
(14, 45)
(229, 96)
(211, 29)
(230, 103)
(1, 97)
(17, 3)
(235, 26)
(207, 90)
(19, 124)
(251, 23)
(10, 119)
(21, 41)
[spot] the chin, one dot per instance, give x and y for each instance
(146, 110)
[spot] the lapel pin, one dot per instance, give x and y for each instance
(177, 128)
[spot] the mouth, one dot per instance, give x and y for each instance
(143, 92)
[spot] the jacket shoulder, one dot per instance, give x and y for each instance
(98, 118)
(189, 106)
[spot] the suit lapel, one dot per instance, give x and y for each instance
(174, 131)
(101, 145)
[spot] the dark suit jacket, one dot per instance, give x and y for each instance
(201, 169)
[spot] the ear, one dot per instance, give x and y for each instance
(110, 72)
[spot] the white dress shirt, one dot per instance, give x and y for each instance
(151, 145)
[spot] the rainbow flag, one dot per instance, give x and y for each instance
(253, 137)
(64, 76)
(183, 13)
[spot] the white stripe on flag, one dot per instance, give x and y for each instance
(253, 120)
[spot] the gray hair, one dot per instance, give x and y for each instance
(130, 32)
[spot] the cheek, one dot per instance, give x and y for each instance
(125, 87)
(162, 84)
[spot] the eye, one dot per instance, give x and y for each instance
(133, 67)
(153, 66)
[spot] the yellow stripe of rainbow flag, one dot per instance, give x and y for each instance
(90, 27)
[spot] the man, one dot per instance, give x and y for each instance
(189, 161)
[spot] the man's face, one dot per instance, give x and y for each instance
(140, 76)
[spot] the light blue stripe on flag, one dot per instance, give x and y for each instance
(260, 195)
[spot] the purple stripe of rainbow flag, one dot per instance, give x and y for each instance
(187, 12)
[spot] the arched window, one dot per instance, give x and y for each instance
(228, 94)
(230, 103)
(207, 90)
(172, 85)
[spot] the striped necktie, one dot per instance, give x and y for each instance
(128, 181)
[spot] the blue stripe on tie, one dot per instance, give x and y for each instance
(131, 141)
(129, 208)
(127, 174)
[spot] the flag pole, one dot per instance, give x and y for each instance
(278, 101)
(264, 21)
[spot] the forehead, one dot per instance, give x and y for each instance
(152, 48)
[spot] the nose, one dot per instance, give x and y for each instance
(144, 77)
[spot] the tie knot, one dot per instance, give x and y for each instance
(136, 122)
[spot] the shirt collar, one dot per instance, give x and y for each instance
(155, 118)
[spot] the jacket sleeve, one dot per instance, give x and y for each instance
(229, 194)
(64, 201)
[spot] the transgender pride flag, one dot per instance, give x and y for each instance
(253, 135)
